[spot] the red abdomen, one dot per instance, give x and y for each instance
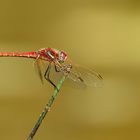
(15, 54)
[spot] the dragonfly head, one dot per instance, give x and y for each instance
(62, 56)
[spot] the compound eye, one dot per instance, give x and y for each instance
(63, 56)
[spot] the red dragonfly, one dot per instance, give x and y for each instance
(59, 59)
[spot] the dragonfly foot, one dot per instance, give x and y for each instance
(55, 87)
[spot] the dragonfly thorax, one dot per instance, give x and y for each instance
(54, 54)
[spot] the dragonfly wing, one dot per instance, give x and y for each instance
(40, 68)
(85, 76)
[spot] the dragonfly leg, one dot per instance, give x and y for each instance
(47, 76)
(56, 69)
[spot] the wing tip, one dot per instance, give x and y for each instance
(100, 77)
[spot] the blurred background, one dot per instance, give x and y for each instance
(103, 35)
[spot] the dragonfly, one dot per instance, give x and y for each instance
(61, 63)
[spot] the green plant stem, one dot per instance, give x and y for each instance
(46, 109)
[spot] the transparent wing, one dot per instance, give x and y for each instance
(40, 68)
(85, 76)
(79, 74)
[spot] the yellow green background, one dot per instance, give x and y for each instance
(103, 35)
